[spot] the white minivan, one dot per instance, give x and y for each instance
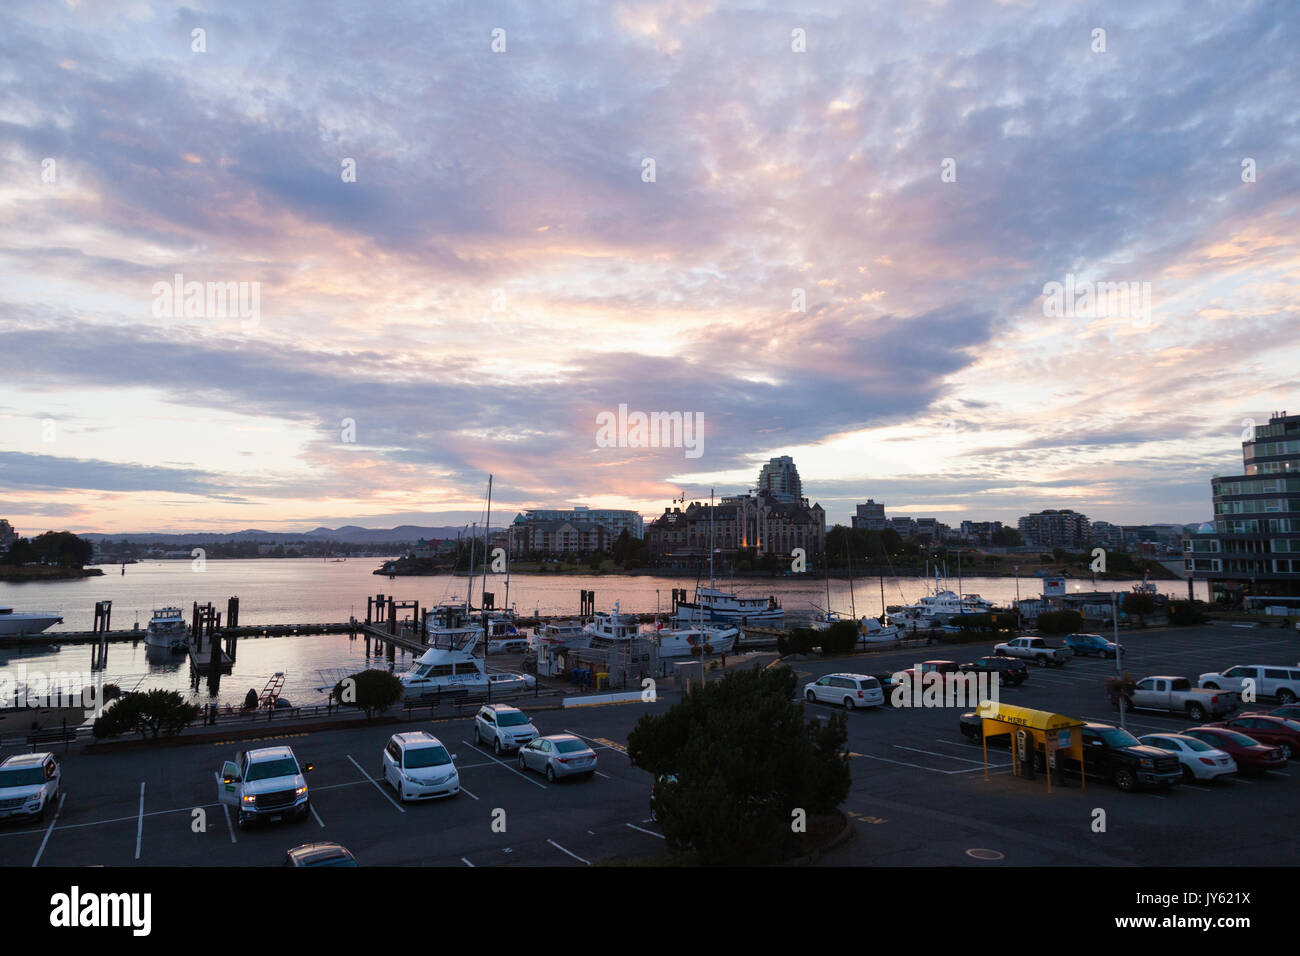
(851, 690)
(1269, 680)
(29, 786)
(419, 767)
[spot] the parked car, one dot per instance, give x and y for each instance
(505, 727)
(971, 726)
(264, 784)
(419, 767)
(1289, 711)
(1252, 756)
(1268, 680)
(29, 786)
(1199, 760)
(1010, 671)
(887, 683)
(1275, 731)
(1176, 695)
(558, 755)
(319, 854)
(1093, 645)
(1035, 649)
(851, 690)
(1116, 755)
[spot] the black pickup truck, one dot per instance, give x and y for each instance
(1116, 755)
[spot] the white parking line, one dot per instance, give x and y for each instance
(50, 828)
(563, 850)
(933, 754)
(599, 774)
(139, 827)
(644, 830)
(466, 792)
(506, 765)
(312, 807)
(225, 809)
(400, 808)
(466, 862)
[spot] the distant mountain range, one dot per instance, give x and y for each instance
(348, 534)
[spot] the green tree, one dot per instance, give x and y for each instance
(62, 548)
(734, 761)
(148, 713)
(374, 691)
(840, 638)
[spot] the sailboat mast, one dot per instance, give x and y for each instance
(711, 517)
(853, 604)
(486, 530)
(469, 589)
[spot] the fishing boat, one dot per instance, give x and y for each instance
(608, 628)
(167, 629)
(19, 623)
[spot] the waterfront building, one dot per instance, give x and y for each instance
(614, 521)
(906, 527)
(1108, 536)
(559, 537)
(7, 535)
(980, 532)
(1251, 553)
(1055, 529)
(779, 479)
(757, 524)
(870, 516)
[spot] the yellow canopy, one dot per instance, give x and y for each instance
(1025, 716)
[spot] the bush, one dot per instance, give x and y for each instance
(1059, 622)
(1186, 613)
(744, 759)
(800, 640)
(840, 638)
(374, 691)
(147, 713)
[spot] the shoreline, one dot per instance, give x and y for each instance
(41, 573)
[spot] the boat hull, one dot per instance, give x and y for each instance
(12, 625)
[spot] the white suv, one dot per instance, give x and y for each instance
(419, 767)
(506, 728)
(1277, 681)
(851, 690)
(29, 784)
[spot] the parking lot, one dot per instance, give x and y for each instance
(918, 796)
(143, 807)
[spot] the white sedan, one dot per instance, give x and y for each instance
(1199, 760)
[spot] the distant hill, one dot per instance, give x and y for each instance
(348, 534)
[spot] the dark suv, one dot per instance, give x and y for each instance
(1010, 670)
(1116, 755)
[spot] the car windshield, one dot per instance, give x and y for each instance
(512, 719)
(1115, 737)
(1200, 746)
(266, 769)
(23, 777)
(569, 746)
(427, 757)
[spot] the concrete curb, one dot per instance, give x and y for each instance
(848, 832)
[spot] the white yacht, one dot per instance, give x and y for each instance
(450, 665)
(17, 623)
(561, 634)
(678, 638)
(870, 630)
(167, 629)
(714, 604)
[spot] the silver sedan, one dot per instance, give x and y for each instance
(558, 755)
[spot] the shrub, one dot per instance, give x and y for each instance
(374, 691)
(148, 713)
(1059, 622)
(799, 640)
(1185, 613)
(840, 638)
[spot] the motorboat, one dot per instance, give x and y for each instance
(570, 634)
(450, 665)
(679, 639)
(167, 630)
(609, 628)
(20, 623)
(714, 604)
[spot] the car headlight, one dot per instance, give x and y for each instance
(250, 798)
(1146, 762)
(300, 791)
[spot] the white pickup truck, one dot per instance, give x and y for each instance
(263, 784)
(1035, 649)
(1176, 695)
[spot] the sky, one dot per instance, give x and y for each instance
(463, 232)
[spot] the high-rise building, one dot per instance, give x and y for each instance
(1055, 529)
(1253, 547)
(7, 535)
(761, 524)
(779, 479)
(870, 516)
